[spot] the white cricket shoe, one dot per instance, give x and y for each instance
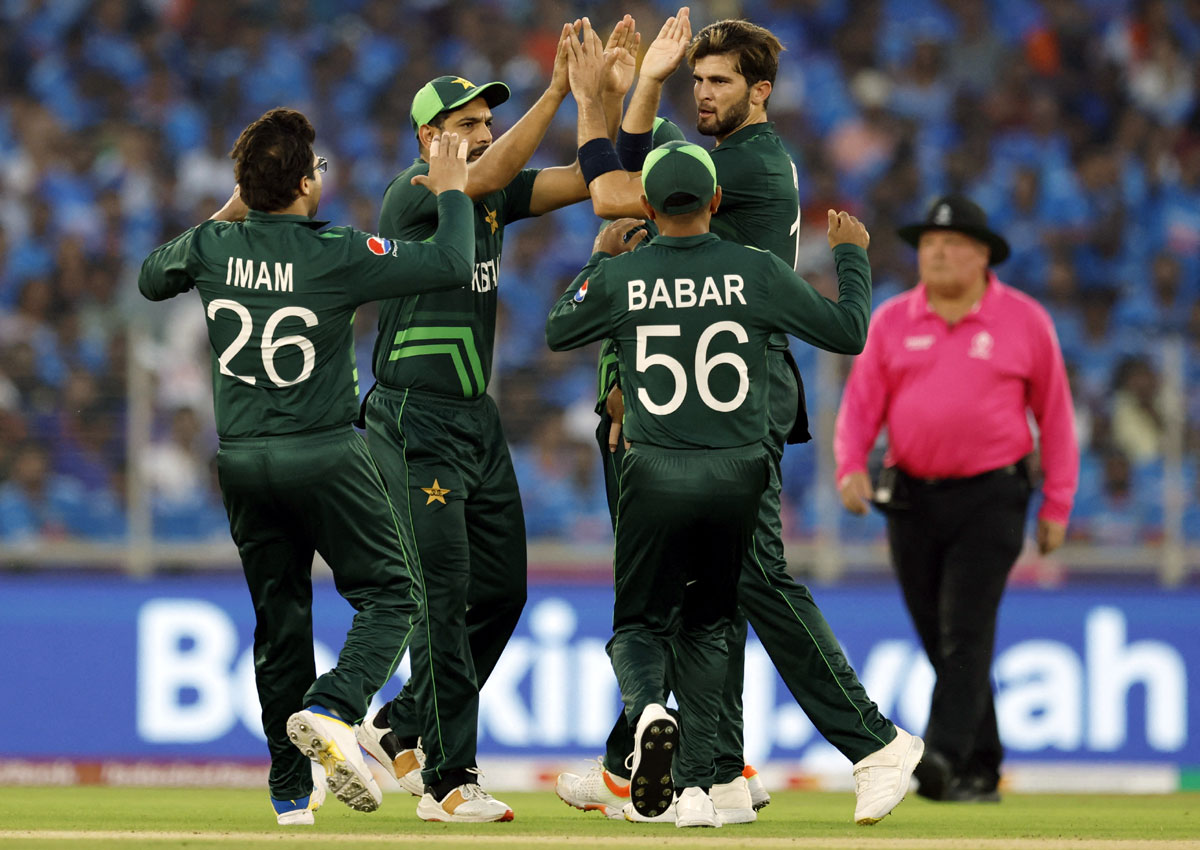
(595, 791)
(299, 812)
(655, 742)
(758, 790)
(881, 779)
(330, 742)
(381, 743)
(733, 801)
(468, 803)
(695, 808)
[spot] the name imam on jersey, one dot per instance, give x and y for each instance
(682, 293)
(239, 272)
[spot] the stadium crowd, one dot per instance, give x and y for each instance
(1074, 123)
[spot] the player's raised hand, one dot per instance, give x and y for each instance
(845, 229)
(235, 208)
(667, 50)
(560, 82)
(447, 165)
(620, 236)
(587, 65)
(622, 47)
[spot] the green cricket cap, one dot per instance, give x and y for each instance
(679, 177)
(446, 93)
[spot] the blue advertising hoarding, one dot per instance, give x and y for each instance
(164, 670)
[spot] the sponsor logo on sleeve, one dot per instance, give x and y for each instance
(581, 294)
(379, 246)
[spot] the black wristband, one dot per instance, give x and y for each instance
(632, 148)
(596, 157)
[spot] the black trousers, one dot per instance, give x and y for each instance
(953, 543)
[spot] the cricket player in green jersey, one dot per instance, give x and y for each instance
(691, 315)
(437, 437)
(734, 64)
(280, 292)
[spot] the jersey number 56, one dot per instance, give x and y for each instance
(703, 367)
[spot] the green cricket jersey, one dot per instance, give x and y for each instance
(691, 317)
(280, 295)
(760, 207)
(442, 342)
(760, 204)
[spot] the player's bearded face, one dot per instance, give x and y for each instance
(722, 95)
(714, 120)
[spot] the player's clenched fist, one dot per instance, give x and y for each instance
(447, 165)
(845, 229)
(620, 236)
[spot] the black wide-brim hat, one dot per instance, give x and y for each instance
(954, 212)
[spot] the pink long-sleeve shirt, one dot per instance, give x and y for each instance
(954, 397)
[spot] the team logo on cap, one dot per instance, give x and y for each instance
(581, 294)
(379, 246)
(942, 216)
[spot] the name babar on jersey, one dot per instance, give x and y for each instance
(683, 292)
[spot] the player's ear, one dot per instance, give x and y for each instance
(715, 202)
(647, 209)
(760, 91)
(425, 134)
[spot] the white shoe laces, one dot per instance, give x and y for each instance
(472, 790)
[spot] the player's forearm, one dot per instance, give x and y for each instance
(454, 240)
(612, 113)
(567, 326)
(505, 157)
(164, 273)
(592, 122)
(643, 106)
(617, 194)
(839, 326)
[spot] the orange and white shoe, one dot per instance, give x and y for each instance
(758, 791)
(595, 791)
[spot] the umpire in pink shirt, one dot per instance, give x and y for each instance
(951, 367)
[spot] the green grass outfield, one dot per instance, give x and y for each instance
(103, 817)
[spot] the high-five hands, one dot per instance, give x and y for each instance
(588, 65)
(622, 47)
(667, 50)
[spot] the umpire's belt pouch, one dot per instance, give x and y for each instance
(892, 491)
(799, 432)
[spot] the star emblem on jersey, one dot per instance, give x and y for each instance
(466, 84)
(490, 218)
(436, 493)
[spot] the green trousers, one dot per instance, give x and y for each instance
(450, 476)
(288, 497)
(686, 518)
(786, 620)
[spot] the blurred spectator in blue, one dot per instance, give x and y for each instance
(1164, 306)
(178, 471)
(1113, 515)
(36, 505)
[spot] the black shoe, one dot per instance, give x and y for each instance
(972, 789)
(934, 775)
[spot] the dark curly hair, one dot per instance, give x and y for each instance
(755, 49)
(271, 156)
